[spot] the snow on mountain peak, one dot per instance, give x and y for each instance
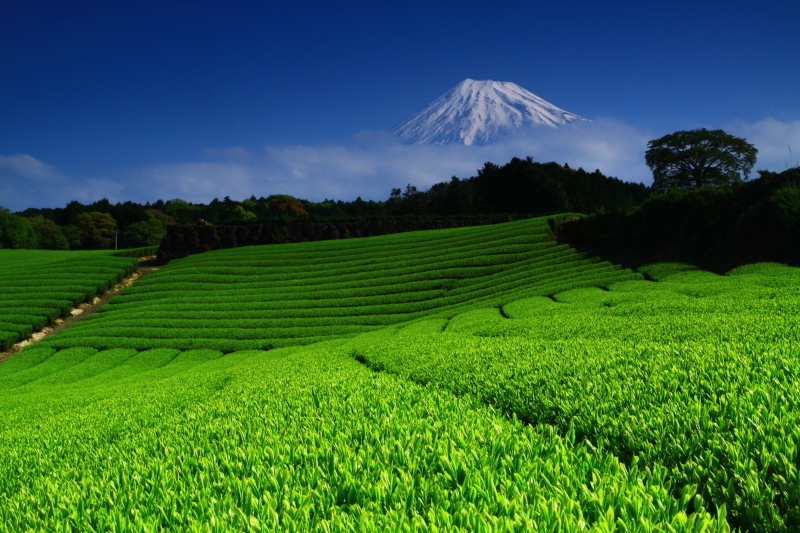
(480, 112)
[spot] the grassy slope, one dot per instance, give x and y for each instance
(298, 439)
(272, 296)
(38, 286)
(697, 373)
(638, 397)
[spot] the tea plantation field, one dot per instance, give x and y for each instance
(267, 297)
(38, 286)
(477, 379)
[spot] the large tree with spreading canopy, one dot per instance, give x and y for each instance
(692, 159)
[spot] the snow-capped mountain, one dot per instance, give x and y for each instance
(479, 113)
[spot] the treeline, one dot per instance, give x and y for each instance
(520, 187)
(97, 226)
(103, 225)
(715, 228)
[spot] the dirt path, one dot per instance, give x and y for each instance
(83, 310)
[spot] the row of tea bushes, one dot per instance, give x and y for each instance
(296, 439)
(38, 286)
(697, 373)
(263, 297)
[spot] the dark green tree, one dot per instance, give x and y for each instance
(182, 211)
(49, 234)
(73, 235)
(692, 159)
(98, 230)
(16, 231)
(520, 186)
(144, 233)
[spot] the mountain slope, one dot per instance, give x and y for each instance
(479, 113)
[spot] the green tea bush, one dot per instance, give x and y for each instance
(38, 286)
(479, 386)
(261, 297)
(696, 373)
(303, 439)
(136, 252)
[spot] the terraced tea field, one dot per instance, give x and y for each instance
(267, 297)
(478, 379)
(37, 286)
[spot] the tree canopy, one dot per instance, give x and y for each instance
(521, 186)
(15, 231)
(692, 159)
(98, 229)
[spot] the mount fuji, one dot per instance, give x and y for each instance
(480, 113)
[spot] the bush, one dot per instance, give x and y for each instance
(787, 201)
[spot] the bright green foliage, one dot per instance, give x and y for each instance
(300, 440)
(480, 379)
(271, 296)
(697, 373)
(37, 286)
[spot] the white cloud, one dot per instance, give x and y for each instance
(373, 163)
(368, 165)
(26, 167)
(614, 148)
(369, 171)
(26, 181)
(194, 182)
(778, 142)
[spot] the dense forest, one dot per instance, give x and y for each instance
(520, 187)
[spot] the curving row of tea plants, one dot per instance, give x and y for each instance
(696, 373)
(38, 286)
(267, 297)
(296, 439)
(479, 379)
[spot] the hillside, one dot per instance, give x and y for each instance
(40, 287)
(471, 379)
(264, 297)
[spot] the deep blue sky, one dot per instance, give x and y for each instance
(97, 96)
